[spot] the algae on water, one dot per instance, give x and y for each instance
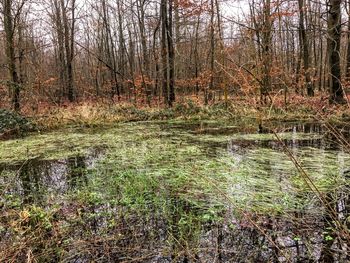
(172, 179)
(159, 160)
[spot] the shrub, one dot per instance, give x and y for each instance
(12, 123)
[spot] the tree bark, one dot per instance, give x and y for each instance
(69, 48)
(305, 49)
(334, 34)
(171, 54)
(145, 70)
(347, 72)
(9, 28)
(266, 52)
(212, 52)
(167, 52)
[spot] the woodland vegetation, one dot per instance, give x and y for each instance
(174, 131)
(152, 53)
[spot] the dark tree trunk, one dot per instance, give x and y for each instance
(171, 54)
(167, 52)
(347, 73)
(164, 53)
(9, 28)
(305, 49)
(266, 52)
(212, 53)
(334, 32)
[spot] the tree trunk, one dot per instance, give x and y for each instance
(334, 32)
(61, 57)
(9, 28)
(171, 54)
(167, 52)
(347, 72)
(305, 49)
(145, 70)
(266, 52)
(164, 53)
(212, 52)
(69, 45)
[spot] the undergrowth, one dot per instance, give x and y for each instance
(99, 114)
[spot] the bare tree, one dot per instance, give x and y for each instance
(64, 24)
(266, 50)
(305, 48)
(334, 34)
(168, 54)
(10, 24)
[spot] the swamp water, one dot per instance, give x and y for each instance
(174, 192)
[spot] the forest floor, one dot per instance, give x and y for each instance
(101, 113)
(97, 113)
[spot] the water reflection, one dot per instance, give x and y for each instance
(36, 181)
(76, 167)
(30, 175)
(305, 235)
(312, 235)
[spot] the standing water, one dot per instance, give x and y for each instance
(176, 192)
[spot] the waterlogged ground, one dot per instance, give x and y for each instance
(175, 192)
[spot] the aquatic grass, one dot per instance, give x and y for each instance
(157, 153)
(283, 136)
(151, 173)
(65, 143)
(337, 227)
(167, 169)
(73, 141)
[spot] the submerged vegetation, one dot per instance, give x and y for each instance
(174, 131)
(167, 190)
